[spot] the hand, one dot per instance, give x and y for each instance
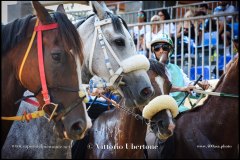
(97, 91)
(204, 84)
(188, 88)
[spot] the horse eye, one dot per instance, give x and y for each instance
(120, 42)
(56, 56)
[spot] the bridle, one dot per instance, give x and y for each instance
(39, 28)
(133, 63)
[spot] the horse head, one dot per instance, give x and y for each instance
(110, 53)
(47, 63)
(163, 108)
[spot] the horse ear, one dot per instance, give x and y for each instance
(42, 13)
(105, 8)
(61, 9)
(98, 10)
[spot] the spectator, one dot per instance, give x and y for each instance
(186, 31)
(139, 33)
(155, 28)
(166, 27)
(204, 8)
(141, 46)
(224, 7)
(235, 51)
(162, 47)
(140, 29)
(185, 24)
(198, 24)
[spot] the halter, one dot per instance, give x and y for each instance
(133, 63)
(39, 28)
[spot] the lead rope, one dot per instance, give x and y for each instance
(137, 116)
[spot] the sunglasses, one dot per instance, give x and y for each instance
(141, 15)
(165, 47)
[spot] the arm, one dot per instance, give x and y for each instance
(182, 89)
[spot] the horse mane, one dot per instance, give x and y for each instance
(115, 21)
(157, 67)
(82, 20)
(14, 32)
(68, 34)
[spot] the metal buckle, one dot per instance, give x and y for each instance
(53, 112)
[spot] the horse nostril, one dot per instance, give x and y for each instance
(146, 92)
(76, 127)
(171, 127)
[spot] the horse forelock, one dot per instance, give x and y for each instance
(117, 25)
(69, 35)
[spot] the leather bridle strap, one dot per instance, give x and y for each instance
(69, 109)
(27, 52)
(39, 29)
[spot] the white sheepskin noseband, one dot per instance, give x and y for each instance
(134, 63)
(160, 103)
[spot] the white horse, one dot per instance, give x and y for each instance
(114, 59)
(110, 53)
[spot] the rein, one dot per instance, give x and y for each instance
(202, 92)
(220, 94)
(137, 116)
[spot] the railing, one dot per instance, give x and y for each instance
(177, 11)
(74, 16)
(199, 53)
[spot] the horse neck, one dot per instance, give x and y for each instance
(11, 88)
(133, 130)
(219, 104)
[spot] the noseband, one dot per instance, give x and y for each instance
(133, 63)
(47, 102)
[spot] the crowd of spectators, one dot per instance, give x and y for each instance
(143, 34)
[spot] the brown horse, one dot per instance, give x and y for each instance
(210, 130)
(49, 66)
(117, 134)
